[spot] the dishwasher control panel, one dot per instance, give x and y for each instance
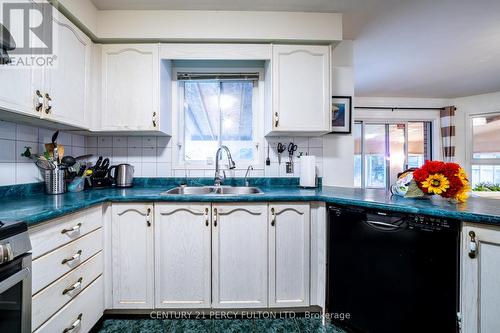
(432, 223)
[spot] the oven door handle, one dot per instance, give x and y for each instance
(14, 279)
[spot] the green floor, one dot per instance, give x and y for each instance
(218, 325)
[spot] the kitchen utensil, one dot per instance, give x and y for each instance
(105, 164)
(54, 138)
(97, 164)
(49, 150)
(45, 164)
(55, 151)
(123, 175)
(83, 157)
(68, 160)
(268, 160)
(281, 149)
(291, 149)
(54, 181)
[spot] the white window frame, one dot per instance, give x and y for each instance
(377, 117)
(178, 122)
(469, 146)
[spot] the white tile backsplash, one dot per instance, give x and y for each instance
(151, 156)
(119, 142)
(7, 130)
(8, 151)
(27, 133)
(17, 169)
(105, 142)
(305, 145)
(7, 173)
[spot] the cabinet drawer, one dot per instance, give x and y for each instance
(53, 265)
(88, 307)
(52, 298)
(50, 236)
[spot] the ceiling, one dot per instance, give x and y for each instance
(402, 48)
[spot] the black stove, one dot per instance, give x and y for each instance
(15, 277)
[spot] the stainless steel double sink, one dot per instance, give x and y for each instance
(214, 190)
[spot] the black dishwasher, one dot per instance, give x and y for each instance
(392, 272)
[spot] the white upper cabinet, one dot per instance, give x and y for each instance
(289, 254)
(480, 287)
(132, 253)
(16, 91)
(239, 255)
(130, 87)
(66, 84)
(183, 251)
(301, 93)
(18, 85)
(58, 90)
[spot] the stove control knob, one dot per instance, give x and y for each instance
(5, 253)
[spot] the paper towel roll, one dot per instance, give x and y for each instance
(308, 171)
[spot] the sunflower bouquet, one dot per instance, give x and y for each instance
(445, 179)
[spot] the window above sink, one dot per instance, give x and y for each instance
(217, 106)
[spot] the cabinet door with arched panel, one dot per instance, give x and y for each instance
(289, 254)
(132, 255)
(239, 255)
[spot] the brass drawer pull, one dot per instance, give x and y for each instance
(72, 229)
(76, 256)
(77, 284)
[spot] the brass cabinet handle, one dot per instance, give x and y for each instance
(72, 229)
(276, 119)
(472, 245)
(215, 217)
(206, 217)
(48, 103)
(75, 285)
(148, 217)
(273, 217)
(75, 324)
(76, 256)
(39, 101)
(154, 119)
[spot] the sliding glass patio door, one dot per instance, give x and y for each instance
(383, 150)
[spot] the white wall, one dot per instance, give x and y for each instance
(466, 106)
(198, 25)
(338, 149)
(83, 10)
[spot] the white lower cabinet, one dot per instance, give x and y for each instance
(182, 255)
(480, 287)
(132, 253)
(289, 254)
(239, 255)
(79, 315)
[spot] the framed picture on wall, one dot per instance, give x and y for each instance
(341, 114)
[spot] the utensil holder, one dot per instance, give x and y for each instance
(54, 181)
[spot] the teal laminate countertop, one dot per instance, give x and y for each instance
(36, 207)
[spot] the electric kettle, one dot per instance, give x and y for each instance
(123, 175)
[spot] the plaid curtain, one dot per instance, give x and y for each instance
(448, 133)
